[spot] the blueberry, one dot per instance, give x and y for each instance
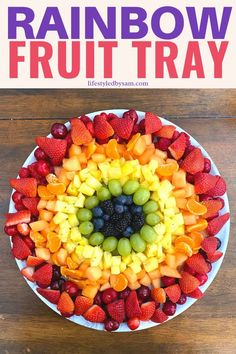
(135, 209)
(119, 209)
(125, 208)
(129, 200)
(106, 217)
(121, 199)
(128, 231)
(97, 212)
(98, 224)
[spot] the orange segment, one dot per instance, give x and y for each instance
(133, 141)
(183, 247)
(56, 188)
(200, 226)
(195, 207)
(112, 149)
(44, 193)
(159, 295)
(54, 243)
(197, 238)
(118, 282)
(168, 169)
(185, 239)
(91, 148)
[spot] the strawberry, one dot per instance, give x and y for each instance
(19, 217)
(196, 294)
(177, 148)
(26, 186)
(219, 188)
(95, 314)
(79, 133)
(188, 282)
(66, 305)
(82, 304)
(34, 261)
(203, 182)
(31, 205)
(173, 292)
(193, 162)
(52, 296)
(54, 148)
(43, 275)
(122, 127)
(214, 256)
(197, 263)
(152, 123)
(102, 129)
(28, 272)
(213, 206)
(20, 250)
(147, 310)
(159, 316)
(166, 131)
(116, 310)
(215, 225)
(132, 305)
(209, 244)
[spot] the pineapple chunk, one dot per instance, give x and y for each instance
(127, 259)
(93, 183)
(115, 270)
(75, 234)
(69, 246)
(151, 250)
(76, 181)
(122, 267)
(73, 221)
(86, 189)
(135, 267)
(150, 264)
(72, 190)
(114, 173)
(116, 261)
(127, 169)
(107, 259)
(88, 251)
(79, 251)
(80, 201)
(83, 241)
(170, 202)
(84, 174)
(59, 218)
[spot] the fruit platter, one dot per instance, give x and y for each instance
(118, 220)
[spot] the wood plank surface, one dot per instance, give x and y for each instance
(26, 324)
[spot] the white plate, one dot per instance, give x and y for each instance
(223, 235)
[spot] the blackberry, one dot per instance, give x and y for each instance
(107, 207)
(138, 221)
(122, 225)
(127, 216)
(115, 218)
(109, 230)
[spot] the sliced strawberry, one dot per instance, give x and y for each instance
(197, 263)
(132, 305)
(20, 217)
(102, 129)
(196, 294)
(215, 225)
(159, 316)
(219, 188)
(152, 123)
(122, 127)
(116, 310)
(79, 133)
(43, 275)
(52, 296)
(95, 314)
(209, 244)
(66, 305)
(54, 148)
(203, 182)
(177, 148)
(20, 250)
(173, 292)
(82, 304)
(193, 162)
(166, 131)
(26, 186)
(31, 205)
(214, 256)
(147, 310)
(28, 272)
(188, 282)
(34, 261)
(213, 207)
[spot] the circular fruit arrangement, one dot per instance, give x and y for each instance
(117, 221)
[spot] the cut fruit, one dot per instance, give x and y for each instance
(195, 207)
(168, 169)
(118, 282)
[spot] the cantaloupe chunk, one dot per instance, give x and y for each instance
(179, 179)
(181, 203)
(170, 260)
(45, 215)
(180, 258)
(72, 164)
(146, 157)
(189, 219)
(146, 280)
(74, 150)
(156, 283)
(141, 274)
(130, 275)
(42, 204)
(140, 146)
(61, 256)
(155, 274)
(105, 286)
(134, 286)
(93, 273)
(43, 253)
(90, 291)
(189, 190)
(169, 272)
(39, 225)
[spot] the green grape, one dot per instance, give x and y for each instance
(84, 214)
(150, 207)
(148, 234)
(109, 244)
(141, 196)
(152, 219)
(124, 247)
(137, 243)
(103, 194)
(86, 228)
(96, 239)
(130, 187)
(115, 187)
(91, 202)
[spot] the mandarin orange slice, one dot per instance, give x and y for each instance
(199, 226)
(185, 239)
(112, 149)
(44, 193)
(118, 282)
(56, 188)
(184, 247)
(197, 238)
(54, 243)
(168, 169)
(195, 207)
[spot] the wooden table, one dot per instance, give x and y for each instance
(26, 324)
